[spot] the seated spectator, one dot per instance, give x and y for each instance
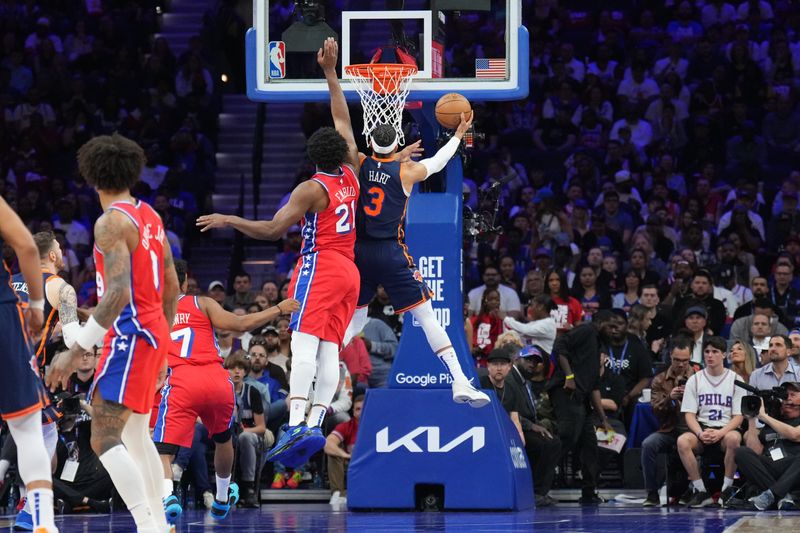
(629, 297)
(667, 391)
(542, 447)
(775, 473)
(250, 425)
(702, 291)
(499, 364)
(355, 356)
(712, 405)
(568, 312)
(742, 328)
(271, 376)
(794, 350)
(586, 291)
(509, 301)
(216, 291)
(694, 322)
(540, 330)
(780, 369)
(486, 326)
(242, 295)
(742, 359)
(339, 449)
(381, 343)
(784, 296)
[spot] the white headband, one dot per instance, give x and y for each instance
(384, 149)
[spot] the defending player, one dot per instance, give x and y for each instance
(60, 306)
(325, 280)
(137, 290)
(198, 386)
(382, 255)
(22, 395)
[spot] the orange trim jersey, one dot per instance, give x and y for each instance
(50, 312)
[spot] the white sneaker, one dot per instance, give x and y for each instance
(335, 497)
(464, 392)
(208, 499)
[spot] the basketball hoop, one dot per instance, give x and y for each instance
(383, 88)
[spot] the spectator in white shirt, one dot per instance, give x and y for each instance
(509, 301)
(641, 132)
(638, 88)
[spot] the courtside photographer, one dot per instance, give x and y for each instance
(770, 462)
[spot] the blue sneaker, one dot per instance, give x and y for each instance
(24, 521)
(312, 442)
(284, 449)
(172, 508)
(219, 510)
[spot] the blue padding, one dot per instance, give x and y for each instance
(488, 469)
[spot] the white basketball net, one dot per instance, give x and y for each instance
(383, 89)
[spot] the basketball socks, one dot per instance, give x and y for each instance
(698, 485)
(129, 483)
(304, 368)
(142, 450)
(327, 382)
(449, 359)
(356, 324)
(438, 340)
(167, 489)
(222, 488)
(41, 505)
(727, 482)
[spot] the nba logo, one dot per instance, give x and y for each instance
(277, 59)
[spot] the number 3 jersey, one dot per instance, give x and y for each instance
(383, 200)
(144, 314)
(715, 399)
(193, 339)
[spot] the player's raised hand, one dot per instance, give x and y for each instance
(214, 220)
(328, 54)
(410, 151)
(289, 305)
(465, 124)
(34, 319)
(62, 366)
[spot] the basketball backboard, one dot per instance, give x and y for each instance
(478, 48)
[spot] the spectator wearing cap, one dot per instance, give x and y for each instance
(741, 329)
(666, 395)
(43, 32)
(771, 458)
(543, 449)
(574, 391)
(273, 344)
(216, 291)
(499, 365)
(543, 259)
(509, 301)
(780, 368)
(540, 330)
(702, 293)
(745, 200)
(695, 320)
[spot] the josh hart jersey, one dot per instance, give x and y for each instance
(715, 399)
(50, 313)
(145, 309)
(334, 227)
(193, 340)
(382, 200)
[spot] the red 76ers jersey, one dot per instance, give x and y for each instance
(334, 227)
(145, 310)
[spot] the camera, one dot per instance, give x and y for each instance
(773, 397)
(70, 403)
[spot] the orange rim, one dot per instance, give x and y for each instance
(385, 75)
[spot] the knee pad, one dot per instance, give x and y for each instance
(167, 449)
(221, 438)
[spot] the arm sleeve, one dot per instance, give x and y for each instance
(439, 160)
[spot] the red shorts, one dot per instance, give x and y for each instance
(326, 284)
(192, 391)
(128, 371)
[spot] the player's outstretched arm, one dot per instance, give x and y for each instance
(16, 234)
(171, 285)
(327, 56)
(416, 172)
(222, 319)
(304, 197)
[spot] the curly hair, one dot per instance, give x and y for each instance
(111, 162)
(383, 134)
(327, 149)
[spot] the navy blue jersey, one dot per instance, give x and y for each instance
(382, 200)
(50, 313)
(7, 294)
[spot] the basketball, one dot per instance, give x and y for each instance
(449, 109)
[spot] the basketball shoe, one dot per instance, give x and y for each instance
(464, 392)
(220, 510)
(172, 508)
(296, 445)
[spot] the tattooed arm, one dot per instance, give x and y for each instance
(171, 286)
(67, 304)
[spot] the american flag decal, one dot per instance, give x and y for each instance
(490, 68)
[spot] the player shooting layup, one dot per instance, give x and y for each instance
(22, 395)
(326, 279)
(198, 386)
(382, 255)
(137, 288)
